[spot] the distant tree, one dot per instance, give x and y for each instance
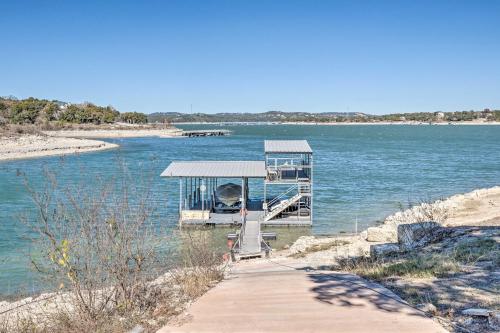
(26, 111)
(134, 117)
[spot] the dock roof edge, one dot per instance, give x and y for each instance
(216, 169)
(287, 146)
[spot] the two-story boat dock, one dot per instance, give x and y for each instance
(286, 191)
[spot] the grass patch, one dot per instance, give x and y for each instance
(469, 252)
(419, 266)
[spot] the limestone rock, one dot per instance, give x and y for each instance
(302, 244)
(414, 235)
(381, 250)
(477, 312)
(494, 320)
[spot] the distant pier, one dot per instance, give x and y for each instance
(197, 133)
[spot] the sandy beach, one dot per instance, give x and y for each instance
(30, 146)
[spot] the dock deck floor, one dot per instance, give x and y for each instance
(255, 212)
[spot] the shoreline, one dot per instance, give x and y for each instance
(35, 146)
(381, 123)
(63, 142)
(481, 205)
(116, 133)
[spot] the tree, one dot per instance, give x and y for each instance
(134, 118)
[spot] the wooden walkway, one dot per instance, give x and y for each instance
(251, 241)
(265, 296)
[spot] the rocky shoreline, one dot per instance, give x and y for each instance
(442, 257)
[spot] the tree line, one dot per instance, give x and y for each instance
(37, 111)
(326, 117)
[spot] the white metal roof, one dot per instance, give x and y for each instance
(220, 169)
(287, 146)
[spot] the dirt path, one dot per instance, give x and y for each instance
(273, 296)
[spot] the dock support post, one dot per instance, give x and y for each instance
(202, 190)
(311, 190)
(180, 199)
(243, 201)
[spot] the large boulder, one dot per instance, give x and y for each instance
(384, 233)
(301, 244)
(415, 235)
(383, 250)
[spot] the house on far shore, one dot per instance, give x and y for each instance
(439, 115)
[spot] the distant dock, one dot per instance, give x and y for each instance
(197, 133)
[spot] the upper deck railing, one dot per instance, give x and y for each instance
(285, 169)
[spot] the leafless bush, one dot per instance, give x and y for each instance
(98, 243)
(18, 130)
(202, 264)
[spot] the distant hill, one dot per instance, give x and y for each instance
(325, 117)
(269, 116)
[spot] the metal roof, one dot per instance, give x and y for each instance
(220, 169)
(287, 146)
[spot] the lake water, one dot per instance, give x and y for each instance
(361, 173)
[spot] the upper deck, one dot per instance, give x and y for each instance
(288, 161)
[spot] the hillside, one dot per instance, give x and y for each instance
(326, 117)
(269, 116)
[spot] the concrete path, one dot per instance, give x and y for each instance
(265, 296)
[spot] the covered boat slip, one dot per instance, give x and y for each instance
(275, 192)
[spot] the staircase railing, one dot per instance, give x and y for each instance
(281, 196)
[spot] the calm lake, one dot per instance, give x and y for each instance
(361, 174)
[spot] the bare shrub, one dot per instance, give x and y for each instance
(201, 265)
(97, 242)
(18, 130)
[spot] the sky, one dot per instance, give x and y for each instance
(207, 56)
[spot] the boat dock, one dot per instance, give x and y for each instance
(197, 133)
(209, 193)
(286, 199)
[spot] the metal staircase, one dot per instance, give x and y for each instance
(303, 189)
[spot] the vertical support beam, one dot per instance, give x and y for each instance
(185, 193)
(265, 195)
(311, 188)
(243, 201)
(180, 199)
(202, 187)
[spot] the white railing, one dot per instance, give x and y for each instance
(281, 196)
